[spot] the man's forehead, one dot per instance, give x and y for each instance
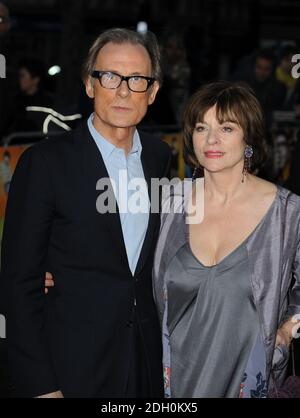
(113, 55)
(123, 49)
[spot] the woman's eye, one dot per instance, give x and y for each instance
(199, 128)
(227, 129)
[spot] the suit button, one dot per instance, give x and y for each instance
(129, 324)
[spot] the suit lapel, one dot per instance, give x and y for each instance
(149, 169)
(93, 169)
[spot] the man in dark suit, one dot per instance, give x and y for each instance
(96, 333)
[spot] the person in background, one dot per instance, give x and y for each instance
(177, 75)
(259, 75)
(31, 78)
(293, 181)
(284, 75)
(5, 22)
(5, 84)
(221, 285)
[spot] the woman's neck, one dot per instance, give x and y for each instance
(223, 187)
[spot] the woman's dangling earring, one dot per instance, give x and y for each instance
(248, 153)
(195, 173)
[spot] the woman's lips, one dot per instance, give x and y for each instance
(214, 154)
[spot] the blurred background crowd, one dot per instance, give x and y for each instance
(44, 43)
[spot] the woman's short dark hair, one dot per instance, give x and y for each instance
(122, 36)
(233, 101)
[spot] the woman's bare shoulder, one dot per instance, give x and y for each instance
(264, 188)
(268, 191)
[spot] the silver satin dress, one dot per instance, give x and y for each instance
(273, 252)
(213, 324)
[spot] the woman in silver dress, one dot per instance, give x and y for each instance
(221, 285)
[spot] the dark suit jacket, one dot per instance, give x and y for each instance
(77, 338)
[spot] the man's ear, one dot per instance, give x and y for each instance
(153, 92)
(89, 88)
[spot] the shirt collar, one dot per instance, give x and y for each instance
(136, 144)
(106, 147)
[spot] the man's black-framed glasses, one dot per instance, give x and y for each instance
(110, 80)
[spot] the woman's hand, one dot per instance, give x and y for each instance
(57, 394)
(285, 333)
(49, 282)
(283, 337)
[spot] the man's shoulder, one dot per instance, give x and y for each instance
(154, 141)
(157, 153)
(153, 144)
(60, 143)
(54, 151)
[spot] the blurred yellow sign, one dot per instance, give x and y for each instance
(175, 142)
(8, 160)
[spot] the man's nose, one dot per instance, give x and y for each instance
(123, 89)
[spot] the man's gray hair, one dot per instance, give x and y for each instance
(121, 36)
